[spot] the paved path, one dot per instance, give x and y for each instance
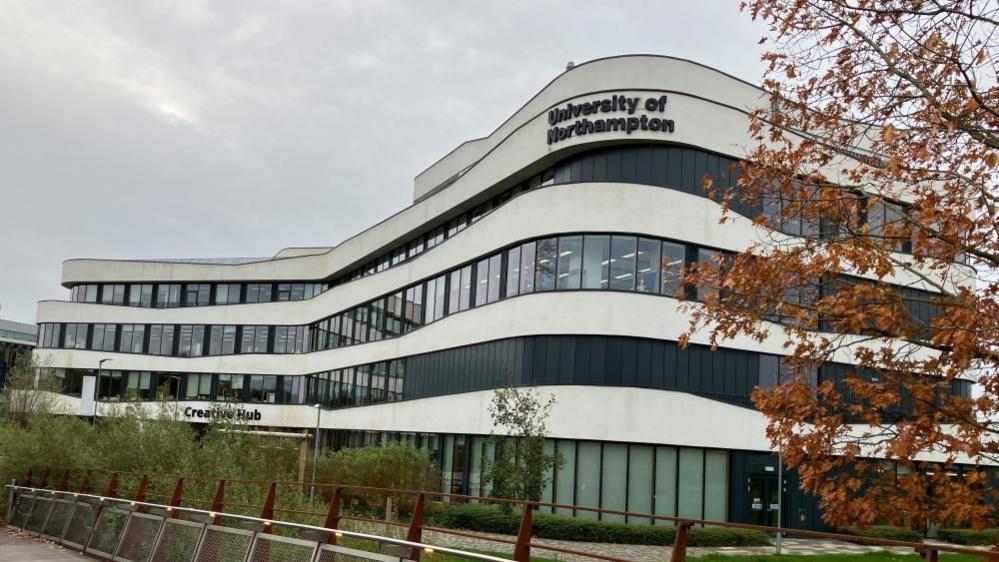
(17, 547)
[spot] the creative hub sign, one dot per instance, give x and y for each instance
(614, 104)
(234, 414)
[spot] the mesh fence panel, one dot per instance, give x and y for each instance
(22, 509)
(271, 548)
(178, 541)
(139, 538)
(107, 531)
(39, 512)
(225, 545)
(333, 553)
(58, 517)
(80, 525)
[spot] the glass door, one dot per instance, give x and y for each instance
(763, 500)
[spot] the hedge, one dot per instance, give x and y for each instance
(970, 537)
(492, 519)
(884, 532)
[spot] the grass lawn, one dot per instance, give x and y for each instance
(865, 557)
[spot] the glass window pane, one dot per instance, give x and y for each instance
(614, 480)
(665, 481)
(640, 481)
(672, 268)
(716, 485)
(648, 266)
(691, 482)
(565, 480)
(453, 294)
(570, 261)
(495, 277)
(546, 264)
(588, 477)
(527, 252)
(622, 263)
(512, 271)
(596, 261)
(481, 281)
(466, 288)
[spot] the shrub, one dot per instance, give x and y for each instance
(970, 537)
(491, 519)
(884, 532)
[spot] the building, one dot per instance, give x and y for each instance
(15, 337)
(545, 254)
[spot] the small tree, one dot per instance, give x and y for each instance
(18, 401)
(520, 418)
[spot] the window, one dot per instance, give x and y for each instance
(222, 340)
(90, 293)
(103, 337)
(436, 296)
(113, 294)
(377, 319)
(140, 295)
(481, 281)
(711, 258)
(465, 293)
(397, 368)
(648, 266)
(495, 277)
(227, 293)
(230, 388)
(284, 292)
(197, 294)
(379, 378)
(527, 257)
(596, 261)
(263, 389)
(161, 339)
(622, 263)
(140, 386)
(570, 261)
(393, 314)
(258, 292)
(512, 271)
(254, 339)
(76, 336)
(132, 336)
(672, 268)
(281, 340)
(198, 387)
(361, 321)
(292, 390)
(545, 267)
(168, 295)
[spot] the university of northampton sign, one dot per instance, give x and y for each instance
(613, 104)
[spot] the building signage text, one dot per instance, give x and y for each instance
(613, 104)
(234, 414)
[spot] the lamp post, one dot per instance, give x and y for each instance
(97, 387)
(315, 454)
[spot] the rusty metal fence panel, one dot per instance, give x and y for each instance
(224, 544)
(178, 541)
(80, 524)
(274, 548)
(55, 525)
(335, 553)
(39, 513)
(138, 538)
(107, 532)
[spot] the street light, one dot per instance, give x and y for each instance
(315, 454)
(97, 387)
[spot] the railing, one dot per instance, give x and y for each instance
(117, 529)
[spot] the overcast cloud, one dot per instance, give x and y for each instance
(194, 129)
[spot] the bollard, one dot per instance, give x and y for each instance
(333, 515)
(522, 550)
(415, 533)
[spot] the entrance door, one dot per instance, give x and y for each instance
(763, 500)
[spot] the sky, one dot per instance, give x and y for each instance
(181, 129)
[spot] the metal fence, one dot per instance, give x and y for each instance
(137, 531)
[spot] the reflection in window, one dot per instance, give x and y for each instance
(672, 268)
(495, 277)
(465, 294)
(230, 388)
(512, 271)
(527, 256)
(596, 261)
(546, 265)
(622, 263)
(648, 266)
(570, 261)
(481, 281)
